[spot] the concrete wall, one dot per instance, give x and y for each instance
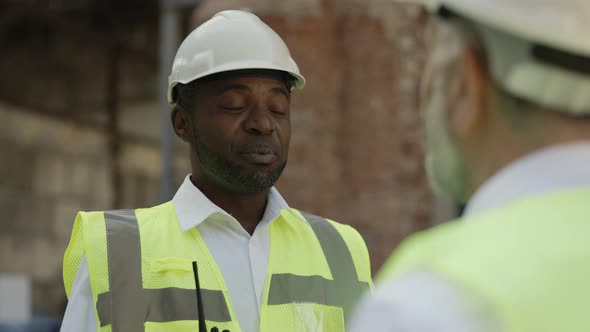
(51, 169)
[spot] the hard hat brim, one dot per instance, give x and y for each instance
(298, 84)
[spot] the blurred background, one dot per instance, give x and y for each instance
(84, 126)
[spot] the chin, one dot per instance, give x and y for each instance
(259, 179)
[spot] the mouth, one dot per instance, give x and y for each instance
(260, 158)
(259, 155)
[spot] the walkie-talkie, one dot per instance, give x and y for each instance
(200, 310)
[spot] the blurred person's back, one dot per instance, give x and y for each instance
(507, 111)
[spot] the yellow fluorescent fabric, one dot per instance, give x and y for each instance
(529, 261)
(309, 256)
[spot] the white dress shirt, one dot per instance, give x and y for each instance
(241, 258)
(422, 301)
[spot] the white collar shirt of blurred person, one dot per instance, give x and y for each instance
(422, 301)
(242, 259)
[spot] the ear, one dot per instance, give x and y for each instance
(472, 107)
(182, 124)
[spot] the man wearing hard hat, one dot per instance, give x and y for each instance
(506, 101)
(227, 253)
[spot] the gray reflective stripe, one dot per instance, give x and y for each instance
(343, 291)
(103, 308)
(335, 249)
(171, 304)
(314, 289)
(128, 307)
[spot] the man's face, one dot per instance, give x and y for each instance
(241, 131)
(441, 93)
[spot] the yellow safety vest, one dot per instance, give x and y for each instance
(529, 261)
(140, 265)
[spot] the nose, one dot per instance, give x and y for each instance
(259, 121)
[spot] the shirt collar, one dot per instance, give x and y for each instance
(192, 207)
(550, 169)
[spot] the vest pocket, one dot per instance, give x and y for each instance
(170, 264)
(167, 272)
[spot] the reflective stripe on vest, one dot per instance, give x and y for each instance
(124, 256)
(128, 305)
(162, 305)
(340, 292)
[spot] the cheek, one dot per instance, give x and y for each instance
(433, 111)
(284, 133)
(438, 105)
(433, 99)
(214, 132)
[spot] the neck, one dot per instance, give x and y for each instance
(248, 209)
(511, 144)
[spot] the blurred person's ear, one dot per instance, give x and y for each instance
(181, 123)
(472, 107)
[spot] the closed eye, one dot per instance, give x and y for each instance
(279, 112)
(279, 105)
(238, 108)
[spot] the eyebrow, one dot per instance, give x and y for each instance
(282, 91)
(242, 87)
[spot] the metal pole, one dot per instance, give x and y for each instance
(113, 110)
(169, 36)
(169, 40)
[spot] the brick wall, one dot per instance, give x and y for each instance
(356, 152)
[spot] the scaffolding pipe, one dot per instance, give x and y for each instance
(113, 110)
(169, 36)
(170, 19)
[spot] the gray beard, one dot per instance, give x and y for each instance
(234, 175)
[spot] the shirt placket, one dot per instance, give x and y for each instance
(258, 250)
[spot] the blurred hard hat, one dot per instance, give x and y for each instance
(562, 24)
(231, 40)
(551, 63)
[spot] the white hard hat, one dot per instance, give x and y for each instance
(231, 40)
(539, 49)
